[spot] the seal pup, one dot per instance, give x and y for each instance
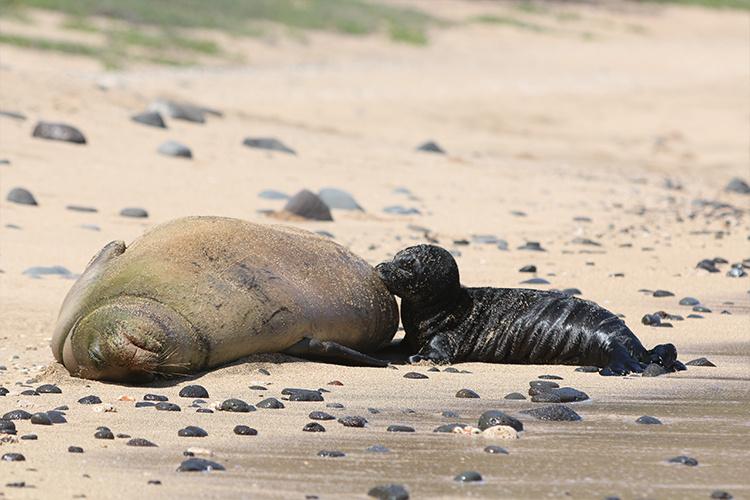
(446, 322)
(199, 292)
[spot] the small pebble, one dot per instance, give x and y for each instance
(103, 433)
(21, 196)
(174, 148)
(165, 406)
(192, 431)
(302, 394)
(514, 396)
(29, 437)
(389, 492)
(199, 465)
(257, 388)
(155, 397)
(140, 442)
(556, 413)
(75, 449)
(533, 246)
(495, 450)
(700, 362)
(468, 477)
(58, 132)
(415, 375)
(269, 144)
(321, 415)
(243, 430)
(12, 457)
(376, 448)
(135, 212)
(721, 495)
(689, 301)
(270, 403)
(193, 391)
(151, 118)
(236, 405)
(528, 269)
(648, 420)
(331, 454)
(684, 460)
(467, 393)
(550, 377)
(313, 427)
(48, 389)
(335, 406)
(399, 428)
(663, 293)
(353, 421)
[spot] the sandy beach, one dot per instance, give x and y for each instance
(608, 139)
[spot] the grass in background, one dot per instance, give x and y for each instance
(157, 30)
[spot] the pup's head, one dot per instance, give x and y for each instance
(421, 274)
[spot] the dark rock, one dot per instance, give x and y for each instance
(302, 394)
(448, 428)
(174, 148)
(695, 316)
(17, 415)
(150, 118)
(550, 377)
(515, 396)
(192, 431)
(204, 410)
(29, 392)
(708, 265)
(321, 415)
(271, 194)
(415, 375)
(467, 393)
(389, 492)
(689, 301)
(533, 246)
(135, 212)
(141, 442)
(495, 417)
(468, 477)
(155, 397)
(58, 132)
(166, 406)
(236, 405)
(75, 449)
(430, 147)
(48, 389)
(21, 196)
(399, 428)
(79, 208)
(40, 419)
(29, 437)
(353, 421)
(179, 110)
(13, 457)
(336, 406)
(56, 417)
(243, 430)
(700, 362)
(199, 465)
(535, 281)
(401, 210)
(737, 185)
(450, 369)
(653, 370)
(154, 482)
(144, 404)
(193, 391)
(313, 427)
(663, 293)
(449, 414)
(721, 495)
(37, 272)
(528, 269)
(268, 143)
(543, 385)
(495, 450)
(684, 460)
(270, 403)
(338, 199)
(376, 448)
(103, 433)
(702, 309)
(257, 388)
(308, 205)
(7, 426)
(546, 397)
(587, 369)
(648, 420)
(331, 454)
(556, 413)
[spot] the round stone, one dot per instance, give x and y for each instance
(48, 389)
(192, 431)
(236, 405)
(41, 419)
(492, 418)
(400, 428)
(13, 457)
(415, 375)
(270, 403)
(199, 465)
(243, 430)
(321, 415)
(353, 421)
(389, 492)
(467, 393)
(647, 420)
(193, 391)
(313, 427)
(75, 449)
(495, 450)
(90, 400)
(155, 397)
(468, 477)
(331, 454)
(140, 442)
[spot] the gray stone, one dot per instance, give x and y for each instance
(174, 148)
(58, 132)
(21, 196)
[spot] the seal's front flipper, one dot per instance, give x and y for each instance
(621, 363)
(332, 352)
(438, 350)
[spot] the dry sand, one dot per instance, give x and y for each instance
(586, 122)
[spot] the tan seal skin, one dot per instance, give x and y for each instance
(199, 292)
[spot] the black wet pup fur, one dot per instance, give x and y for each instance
(446, 322)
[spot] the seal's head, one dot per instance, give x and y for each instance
(130, 339)
(421, 274)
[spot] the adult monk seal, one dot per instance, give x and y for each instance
(198, 292)
(446, 322)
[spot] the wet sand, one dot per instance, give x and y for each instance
(553, 126)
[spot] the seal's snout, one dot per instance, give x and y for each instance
(129, 339)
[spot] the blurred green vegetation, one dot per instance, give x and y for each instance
(159, 30)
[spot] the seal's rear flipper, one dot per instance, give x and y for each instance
(332, 352)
